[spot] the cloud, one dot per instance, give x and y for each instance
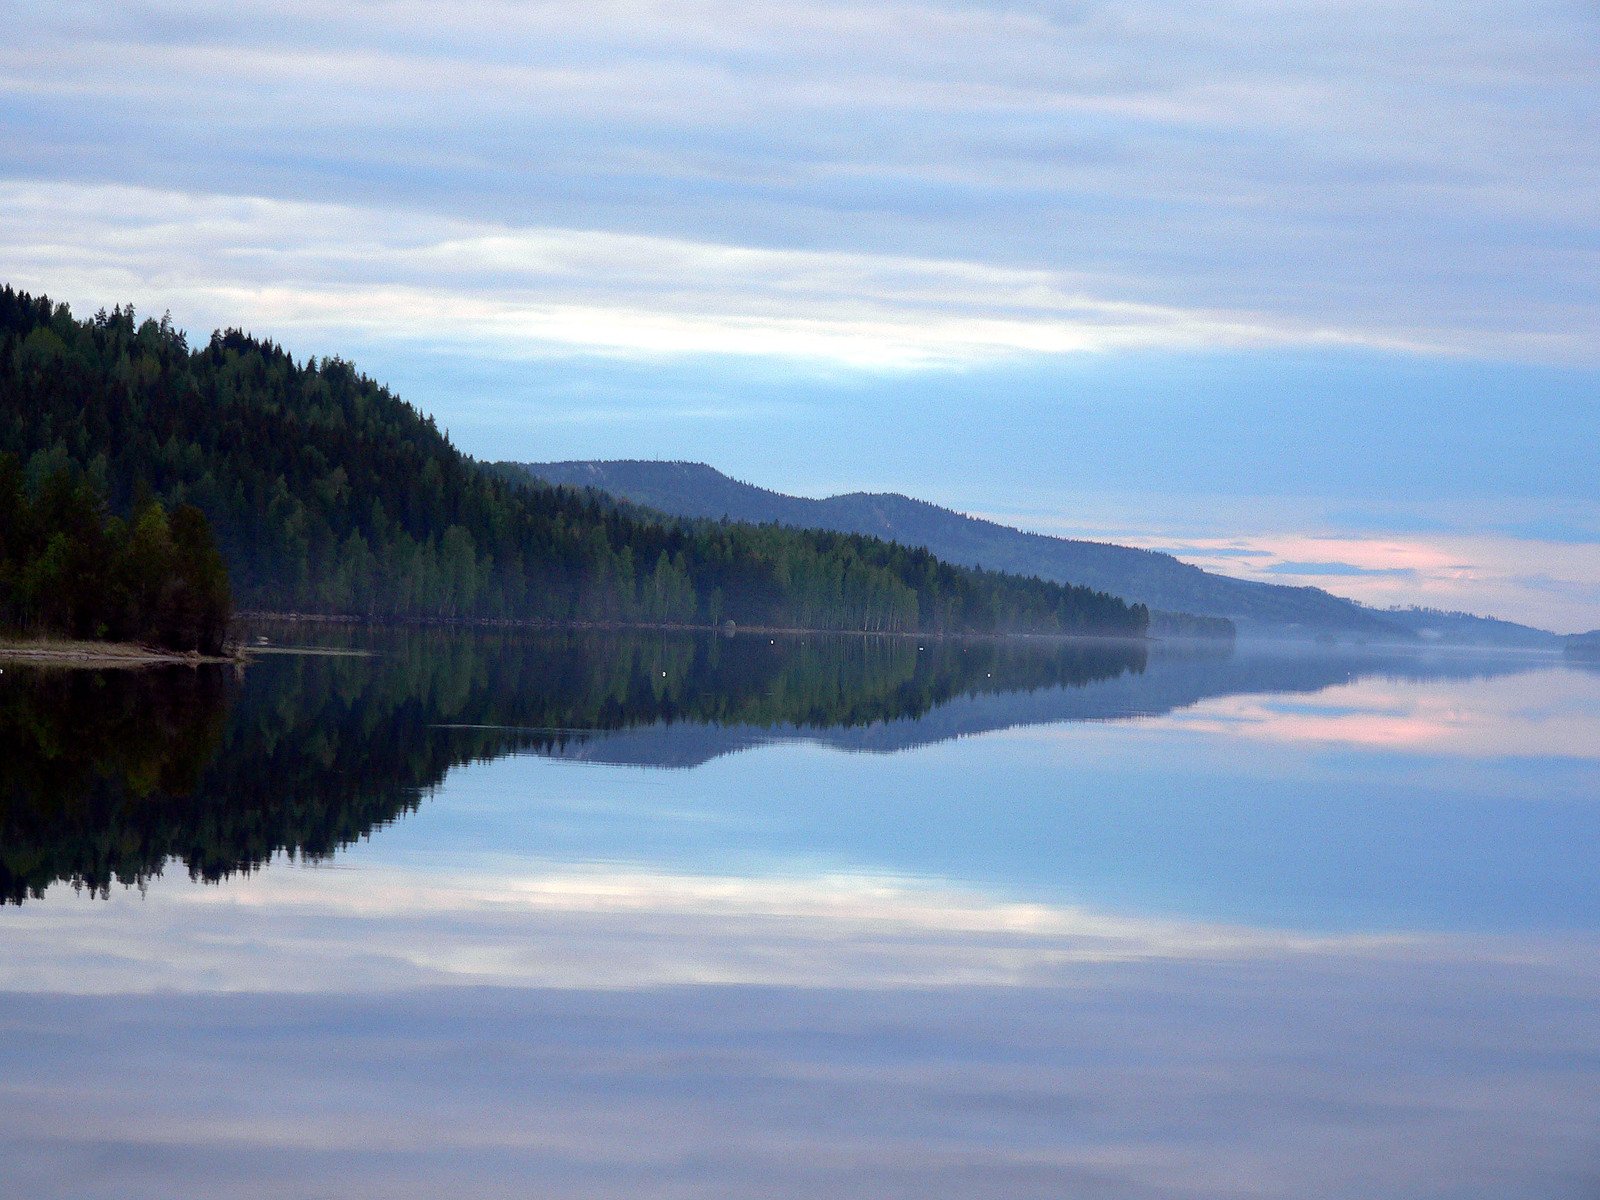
(528, 291)
(1587, 591)
(1549, 584)
(1181, 551)
(1340, 569)
(1134, 165)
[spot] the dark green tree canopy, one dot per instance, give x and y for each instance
(67, 568)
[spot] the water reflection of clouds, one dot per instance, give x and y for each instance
(308, 930)
(1512, 715)
(1185, 1063)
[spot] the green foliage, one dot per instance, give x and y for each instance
(68, 569)
(330, 495)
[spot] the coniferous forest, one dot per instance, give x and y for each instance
(69, 569)
(326, 493)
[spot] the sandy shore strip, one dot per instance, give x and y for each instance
(47, 652)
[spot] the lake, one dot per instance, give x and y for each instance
(426, 913)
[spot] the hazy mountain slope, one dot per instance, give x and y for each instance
(1584, 646)
(1144, 576)
(1149, 577)
(1465, 629)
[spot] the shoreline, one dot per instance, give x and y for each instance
(543, 625)
(67, 652)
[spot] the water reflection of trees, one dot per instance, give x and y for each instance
(111, 775)
(96, 766)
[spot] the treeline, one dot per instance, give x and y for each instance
(328, 494)
(1189, 625)
(69, 568)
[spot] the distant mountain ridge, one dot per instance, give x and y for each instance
(1148, 577)
(1583, 646)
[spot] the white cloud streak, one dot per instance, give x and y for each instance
(1061, 176)
(520, 291)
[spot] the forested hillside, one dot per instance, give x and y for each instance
(1469, 629)
(1149, 577)
(329, 494)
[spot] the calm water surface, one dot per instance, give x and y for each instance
(585, 916)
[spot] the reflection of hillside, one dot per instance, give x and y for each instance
(108, 777)
(1173, 678)
(93, 764)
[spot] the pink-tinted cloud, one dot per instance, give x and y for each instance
(1553, 585)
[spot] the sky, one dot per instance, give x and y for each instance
(1304, 292)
